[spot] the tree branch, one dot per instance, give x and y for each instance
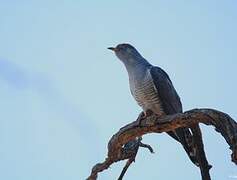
(222, 122)
(200, 153)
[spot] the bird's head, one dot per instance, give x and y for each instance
(126, 53)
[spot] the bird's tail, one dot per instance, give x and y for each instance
(184, 136)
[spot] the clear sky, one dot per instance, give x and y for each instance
(63, 94)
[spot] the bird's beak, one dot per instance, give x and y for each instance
(112, 48)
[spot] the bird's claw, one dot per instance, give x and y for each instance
(143, 115)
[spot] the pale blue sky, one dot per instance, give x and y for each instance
(63, 94)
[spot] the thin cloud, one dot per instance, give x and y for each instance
(20, 79)
(13, 75)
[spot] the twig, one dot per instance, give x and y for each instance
(132, 148)
(128, 163)
(147, 146)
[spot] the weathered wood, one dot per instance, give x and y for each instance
(222, 122)
(200, 153)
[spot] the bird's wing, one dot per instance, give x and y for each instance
(166, 91)
(171, 104)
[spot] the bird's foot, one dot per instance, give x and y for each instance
(143, 115)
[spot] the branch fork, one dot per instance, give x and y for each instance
(126, 142)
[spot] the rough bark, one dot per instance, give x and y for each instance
(126, 142)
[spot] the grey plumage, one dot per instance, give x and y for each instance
(144, 90)
(153, 90)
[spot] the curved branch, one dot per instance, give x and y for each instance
(222, 122)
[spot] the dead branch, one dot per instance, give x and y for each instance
(222, 122)
(200, 153)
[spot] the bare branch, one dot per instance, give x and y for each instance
(200, 153)
(146, 146)
(222, 122)
(128, 163)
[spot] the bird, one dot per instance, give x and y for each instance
(154, 92)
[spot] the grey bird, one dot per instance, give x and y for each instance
(153, 90)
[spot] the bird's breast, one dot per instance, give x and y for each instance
(145, 92)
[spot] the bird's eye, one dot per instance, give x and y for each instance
(120, 48)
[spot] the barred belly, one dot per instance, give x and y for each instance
(145, 93)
